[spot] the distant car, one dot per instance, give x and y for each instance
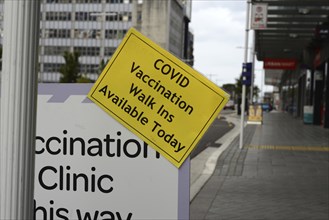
(230, 105)
(267, 107)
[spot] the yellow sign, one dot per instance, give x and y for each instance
(158, 97)
(255, 114)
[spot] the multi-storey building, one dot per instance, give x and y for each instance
(95, 28)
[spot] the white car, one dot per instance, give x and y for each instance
(230, 105)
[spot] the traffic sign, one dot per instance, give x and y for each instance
(157, 96)
(246, 73)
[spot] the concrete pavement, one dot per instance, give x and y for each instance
(281, 173)
(203, 165)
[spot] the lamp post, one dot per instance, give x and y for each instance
(252, 56)
(243, 101)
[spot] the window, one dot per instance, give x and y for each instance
(51, 67)
(57, 33)
(88, 1)
(119, 1)
(114, 1)
(115, 34)
(59, 1)
(108, 51)
(89, 68)
(86, 16)
(55, 50)
(123, 16)
(87, 33)
(87, 51)
(58, 16)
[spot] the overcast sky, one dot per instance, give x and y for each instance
(219, 33)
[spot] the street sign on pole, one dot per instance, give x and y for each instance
(243, 95)
(246, 74)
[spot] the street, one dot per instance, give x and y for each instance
(217, 129)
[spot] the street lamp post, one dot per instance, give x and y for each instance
(252, 55)
(243, 101)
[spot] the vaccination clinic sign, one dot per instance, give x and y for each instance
(89, 166)
(158, 97)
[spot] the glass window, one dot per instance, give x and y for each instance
(114, 1)
(88, 1)
(55, 50)
(57, 33)
(51, 67)
(87, 51)
(86, 16)
(108, 51)
(87, 33)
(89, 68)
(123, 16)
(115, 34)
(58, 1)
(58, 16)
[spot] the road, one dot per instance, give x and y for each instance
(217, 129)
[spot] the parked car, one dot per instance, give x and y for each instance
(267, 107)
(230, 105)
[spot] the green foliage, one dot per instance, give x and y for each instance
(238, 84)
(230, 88)
(83, 79)
(238, 90)
(70, 70)
(101, 66)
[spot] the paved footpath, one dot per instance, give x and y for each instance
(281, 173)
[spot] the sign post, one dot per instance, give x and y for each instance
(243, 104)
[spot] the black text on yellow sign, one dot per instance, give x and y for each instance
(158, 97)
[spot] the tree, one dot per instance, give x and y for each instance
(239, 89)
(70, 70)
(84, 79)
(101, 66)
(231, 89)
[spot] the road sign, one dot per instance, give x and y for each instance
(158, 97)
(246, 73)
(89, 166)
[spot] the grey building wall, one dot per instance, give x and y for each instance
(95, 28)
(163, 22)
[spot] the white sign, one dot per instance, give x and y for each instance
(259, 16)
(88, 166)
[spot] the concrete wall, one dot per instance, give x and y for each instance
(155, 21)
(163, 22)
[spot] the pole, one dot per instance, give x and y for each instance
(18, 108)
(261, 86)
(244, 86)
(252, 55)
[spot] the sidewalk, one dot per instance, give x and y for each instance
(281, 173)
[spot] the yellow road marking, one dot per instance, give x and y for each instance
(291, 148)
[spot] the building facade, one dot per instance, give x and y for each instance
(94, 29)
(294, 46)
